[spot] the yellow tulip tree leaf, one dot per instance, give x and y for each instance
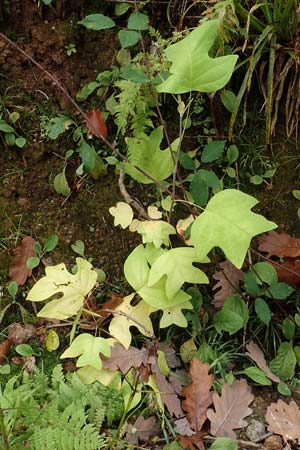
(126, 316)
(228, 223)
(177, 264)
(156, 232)
(122, 213)
(174, 315)
(71, 289)
(89, 347)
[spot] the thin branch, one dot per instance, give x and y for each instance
(128, 199)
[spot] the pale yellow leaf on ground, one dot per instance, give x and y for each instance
(122, 213)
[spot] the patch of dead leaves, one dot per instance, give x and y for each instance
(18, 270)
(228, 279)
(284, 419)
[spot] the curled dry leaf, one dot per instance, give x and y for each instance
(279, 244)
(284, 419)
(197, 394)
(256, 354)
(4, 349)
(95, 124)
(18, 270)
(228, 282)
(230, 409)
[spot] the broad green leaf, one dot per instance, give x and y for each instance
(279, 291)
(25, 350)
(263, 311)
(59, 125)
(89, 347)
(258, 376)
(233, 315)
(97, 22)
(136, 268)
(52, 341)
(192, 68)
(156, 232)
(20, 142)
(138, 21)
(228, 222)
(70, 288)
(50, 243)
(10, 139)
(61, 185)
(297, 354)
(122, 213)
(283, 365)
(144, 152)
(288, 328)
(156, 296)
(87, 90)
(283, 389)
(135, 74)
(78, 247)
(232, 154)
(126, 316)
(32, 262)
(224, 443)
(13, 289)
(199, 189)
(264, 273)
(228, 99)
(177, 264)
(5, 127)
(174, 315)
(128, 38)
(213, 151)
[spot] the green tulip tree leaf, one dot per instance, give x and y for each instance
(228, 222)
(70, 288)
(192, 68)
(156, 296)
(136, 268)
(177, 264)
(144, 152)
(89, 347)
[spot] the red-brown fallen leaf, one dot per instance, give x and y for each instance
(197, 394)
(4, 349)
(289, 271)
(230, 409)
(143, 430)
(279, 244)
(284, 419)
(257, 356)
(167, 392)
(192, 442)
(18, 270)
(95, 124)
(228, 280)
(21, 333)
(123, 359)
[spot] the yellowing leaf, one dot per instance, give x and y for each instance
(52, 341)
(89, 347)
(89, 374)
(70, 288)
(122, 213)
(174, 315)
(192, 68)
(156, 231)
(228, 222)
(154, 213)
(126, 316)
(177, 264)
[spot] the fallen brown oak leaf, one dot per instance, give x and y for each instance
(289, 271)
(193, 442)
(143, 430)
(124, 359)
(228, 282)
(279, 244)
(198, 396)
(230, 409)
(256, 354)
(18, 270)
(284, 419)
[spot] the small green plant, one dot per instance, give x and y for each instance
(70, 49)
(11, 137)
(49, 245)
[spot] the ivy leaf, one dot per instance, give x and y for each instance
(89, 347)
(126, 316)
(192, 68)
(174, 315)
(122, 213)
(144, 152)
(70, 288)
(177, 264)
(228, 222)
